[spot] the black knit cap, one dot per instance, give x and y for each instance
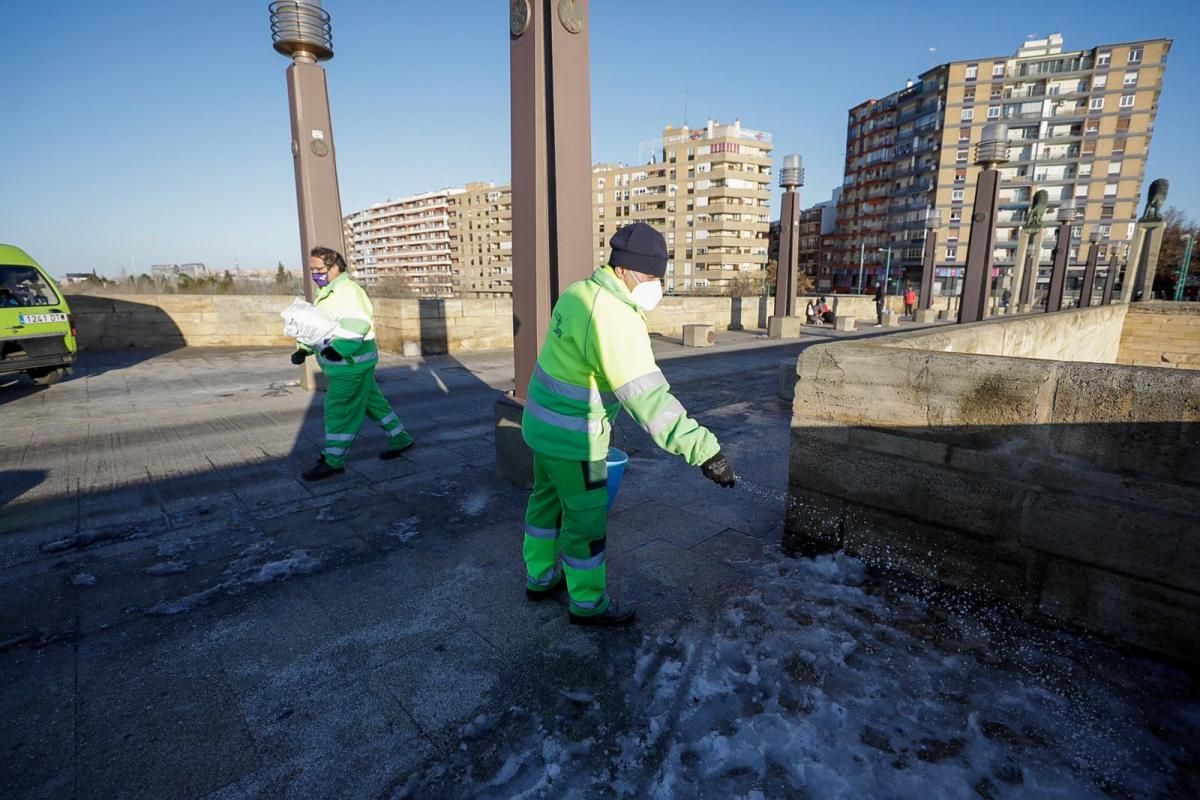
(640, 248)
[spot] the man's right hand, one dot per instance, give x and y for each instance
(717, 470)
(298, 357)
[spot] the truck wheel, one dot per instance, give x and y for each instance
(48, 376)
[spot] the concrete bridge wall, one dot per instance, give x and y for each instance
(114, 322)
(1071, 487)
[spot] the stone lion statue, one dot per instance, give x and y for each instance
(1155, 198)
(1033, 218)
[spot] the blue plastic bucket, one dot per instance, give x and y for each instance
(616, 470)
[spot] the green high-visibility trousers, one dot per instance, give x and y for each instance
(353, 394)
(566, 525)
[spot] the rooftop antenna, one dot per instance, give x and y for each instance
(933, 56)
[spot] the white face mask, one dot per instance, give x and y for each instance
(647, 294)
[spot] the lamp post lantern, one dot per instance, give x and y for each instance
(990, 152)
(1062, 252)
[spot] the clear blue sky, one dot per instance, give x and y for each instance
(157, 132)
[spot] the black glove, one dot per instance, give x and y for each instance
(298, 357)
(331, 355)
(717, 470)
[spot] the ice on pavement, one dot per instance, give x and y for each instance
(251, 567)
(826, 681)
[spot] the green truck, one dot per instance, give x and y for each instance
(37, 330)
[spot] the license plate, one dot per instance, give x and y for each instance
(33, 319)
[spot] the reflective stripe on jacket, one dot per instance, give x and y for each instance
(596, 359)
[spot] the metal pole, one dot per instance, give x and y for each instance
(1089, 273)
(862, 254)
(977, 274)
(551, 149)
(551, 166)
(1110, 280)
(925, 301)
(990, 152)
(1181, 281)
(1058, 273)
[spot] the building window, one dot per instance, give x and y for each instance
(1092, 126)
(997, 70)
(1096, 103)
(1102, 59)
(1135, 55)
(1114, 168)
(1126, 101)
(1110, 190)
(1104, 231)
(951, 253)
(956, 215)
(964, 136)
(972, 72)
(961, 156)
(994, 112)
(957, 195)
(960, 176)
(969, 96)
(1123, 127)
(1130, 79)
(1099, 82)
(967, 114)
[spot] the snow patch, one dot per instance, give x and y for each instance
(298, 562)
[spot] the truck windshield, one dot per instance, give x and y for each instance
(24, 287)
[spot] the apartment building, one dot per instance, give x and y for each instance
(405, 242)
(481, 240)
(1079, 126)
(707, 190)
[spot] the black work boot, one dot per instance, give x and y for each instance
(389, 454)
(613, 616)
(557, 588)
(321, 471)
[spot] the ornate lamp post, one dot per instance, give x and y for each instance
(1114, 266)
(791, 178)
(300, 29)
(1062, 251)
(990, 152)
(1089, 271)
(933, 221)
(551, 148)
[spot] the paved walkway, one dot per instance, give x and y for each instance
(181, 617)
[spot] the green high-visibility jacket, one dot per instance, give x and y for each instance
(596, 359)
(354, 337)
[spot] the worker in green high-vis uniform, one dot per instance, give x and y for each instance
(596, 359)
(348, 360)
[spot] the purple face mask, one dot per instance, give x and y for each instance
(320, 278)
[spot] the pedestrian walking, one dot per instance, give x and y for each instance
(597, 359)
(348, 360)
(910, 301)
(880, 299)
